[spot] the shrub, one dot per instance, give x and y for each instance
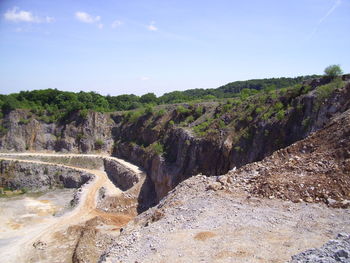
(259, 110)
(222, 124)
(199, 111)
(278, 106)
(158, 148)
(80, 136)
(182, 110)
(238, 149)
(189, 119)
(226, 107)
(200, 129)
(333, 71)
(280, 114)
(149, 109)
(23, 121)
(171, 123)
(306, 122)
(325, 91)
(161, 112)
(3, 130)
(133, 116)
(98, 144)
(83, 114)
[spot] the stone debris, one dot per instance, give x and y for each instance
(334, 251)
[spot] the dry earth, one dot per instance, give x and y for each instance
(194, 224)
(60, 239)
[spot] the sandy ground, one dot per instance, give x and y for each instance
(19, 249)
(22, 214)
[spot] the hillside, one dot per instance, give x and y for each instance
(173, 142)
(54, 105)
(224, 218)
(258, 177)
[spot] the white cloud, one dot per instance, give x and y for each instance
(152, 27)
(86, 18)
(16, 15)
(116, 23)
(100, 26)
(49, 19)
(144, 78)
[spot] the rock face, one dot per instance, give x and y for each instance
(184, 153)
(315, 169)
(76, 135)
(38, 177)
(337, 250)
(120, 175)
(187, 155)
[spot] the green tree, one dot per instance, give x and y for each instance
(333, 71)
(148, 98)
(9, 103)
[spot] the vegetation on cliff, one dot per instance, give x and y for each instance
(52, 105)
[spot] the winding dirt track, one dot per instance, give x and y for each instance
(85, 210)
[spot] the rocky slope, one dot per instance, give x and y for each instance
(316, 169)
(336, 250)
(249, 138)
(228, 219)
(164, 143)
(266, 211)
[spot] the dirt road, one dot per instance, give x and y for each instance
(17, 251)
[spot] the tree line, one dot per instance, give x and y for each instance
(55, 102)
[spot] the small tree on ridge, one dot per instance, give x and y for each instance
(333, 71)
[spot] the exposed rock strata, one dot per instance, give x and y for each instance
(37, 177)
(185, 154)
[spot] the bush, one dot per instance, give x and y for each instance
(133, 116)
(333, 71)
(3, 130)
(157, 148)
(23, 121)
(161, 112)
(201, 129)
(259, 110)
(189, 119)
(199, 111)
(182, 110)
(323, 92)
(149, 109)
(98, 144)
(83, 114)
(280, 114)
(80, 136)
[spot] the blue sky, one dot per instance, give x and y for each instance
(123, 47)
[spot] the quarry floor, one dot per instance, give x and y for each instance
(191, 224)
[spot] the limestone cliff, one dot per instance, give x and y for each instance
(234, 138)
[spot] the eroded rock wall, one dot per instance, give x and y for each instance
(77, 134)
(39, 177)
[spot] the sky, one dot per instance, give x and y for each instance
(139, 46)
